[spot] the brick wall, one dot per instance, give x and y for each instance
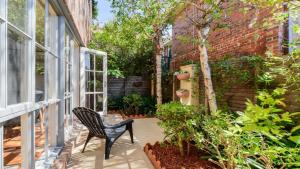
(241, 38)
(81, 13)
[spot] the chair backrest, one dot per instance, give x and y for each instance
(91, 119)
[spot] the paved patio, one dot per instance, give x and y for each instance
(124, 155)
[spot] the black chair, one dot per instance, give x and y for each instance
(92, 120)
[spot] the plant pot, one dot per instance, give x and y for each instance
(182, 93)
(183, 76)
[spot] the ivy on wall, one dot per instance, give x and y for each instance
(235, 71)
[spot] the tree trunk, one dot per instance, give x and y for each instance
(209, 90)
(158, 73)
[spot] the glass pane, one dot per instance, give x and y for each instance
(99, 102)
(89, 101)
(89, 62)
(99, 82)
(67, 118)
(16, 69)
(18, 13)
(53, 81)
(2, 12)
(39, 75)
(12, 143)
(99, 63)
(89, 78)
(40, 22)
(53, 30)
(67, 77)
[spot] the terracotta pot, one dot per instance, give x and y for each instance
(182, 93)
(183, 76)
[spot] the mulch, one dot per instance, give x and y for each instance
(132, 116)
(170, 158)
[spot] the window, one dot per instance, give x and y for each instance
(294, 33)
(18, 13)
(69, 54)
(94, 82)
(46, 53)
(18, 40)
(39, 74)
(40, 22)
(17, 78)
(12, 143)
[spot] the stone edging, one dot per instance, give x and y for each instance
(156, 163)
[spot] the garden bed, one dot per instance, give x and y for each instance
(167, 156)
(132, 116)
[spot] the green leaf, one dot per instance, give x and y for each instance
(295, 139)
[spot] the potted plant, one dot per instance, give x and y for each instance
(182, 75)
(182, 93)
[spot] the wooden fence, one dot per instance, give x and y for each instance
(118, 87)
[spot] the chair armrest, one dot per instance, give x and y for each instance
(123, 123)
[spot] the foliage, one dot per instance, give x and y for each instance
(151, 18)
(148, 106)
(236, 71)
(263, 136)
(128, 53)
(279, 133)
(115, 103)
(132, 103)
(174, 120)
(94, 9)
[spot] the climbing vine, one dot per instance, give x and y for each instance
(235, 71)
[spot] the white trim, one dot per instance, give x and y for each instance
(105, 68)
(17, 110)
(92, 51)
(18, 31)
(27, 140)
(293, 20)
(93, 54)
(1, 146)
(3, 64)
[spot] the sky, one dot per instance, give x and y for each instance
(104, 14)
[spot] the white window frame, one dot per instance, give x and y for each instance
(294, 18)
(85, 52)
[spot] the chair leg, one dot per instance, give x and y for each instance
(129, 128)
(108, 145)
(87, 140)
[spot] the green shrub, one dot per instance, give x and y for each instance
(174, 120)
(263, 136)
(277, 129)
(148, 106)
(115, 103)
(132, 103)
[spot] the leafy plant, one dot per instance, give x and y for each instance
(174, 120)
(148, 106)
(236, 71)
(132, 103)
(115, 103)
(278, 132)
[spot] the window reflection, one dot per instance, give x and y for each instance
(18, 13)
(40, 75)
(16, 69)
(40, 22)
